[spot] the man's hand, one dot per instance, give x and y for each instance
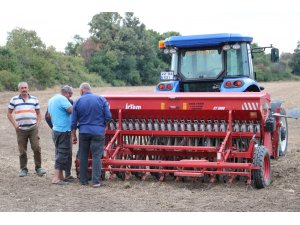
(74, 139)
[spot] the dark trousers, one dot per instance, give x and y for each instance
(94, 143)
(63, 150)
(33, 136)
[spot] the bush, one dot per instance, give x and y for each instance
(8, 80)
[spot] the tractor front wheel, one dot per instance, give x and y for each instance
(262, 176)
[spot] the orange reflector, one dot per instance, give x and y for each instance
(161, 44)
(162, 105)
(238, 83)
(161, 87)
(184, 106)
(228, 84)
(253, 115)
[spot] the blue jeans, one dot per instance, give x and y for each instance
(94, 143)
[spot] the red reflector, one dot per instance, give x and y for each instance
(161, 87)
(238, 83)
(169, 86)
(228, 84)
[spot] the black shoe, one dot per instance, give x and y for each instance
(69, 179)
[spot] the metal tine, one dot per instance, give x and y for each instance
(137, 127)
(236, 128)
(176, 128)
(182, 125)
(223, 126)
(156, 128)
(130, 124)
(156, 125)
(182, 128)
(143, 124)
(189, 128)
(175, 125)
(124, 124)
(125, 127)
(162, 125)
(169, 128)
(244, 140)
(169, 125)
(116, 121)
(217, 129)
(150, 124)
(137, 124)
(209, 129)
(251, 127)
(196, 128)
(150, 127)
(163, 128)
(202, 128)
(112, 125)
(144, 127)
(257, 127)
(131, 127)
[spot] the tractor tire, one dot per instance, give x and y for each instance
(282, 134)
(262, 178)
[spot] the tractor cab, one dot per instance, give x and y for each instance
(208, 63)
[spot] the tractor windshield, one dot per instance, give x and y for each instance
(199, 64)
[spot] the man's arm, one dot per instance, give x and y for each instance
(69, 110)
(74, 137)
(74, 124)
(11, 118)
(38, 117)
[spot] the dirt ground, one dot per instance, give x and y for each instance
(33, 193)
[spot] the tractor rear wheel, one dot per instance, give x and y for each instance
(282, 134)
(262, 176)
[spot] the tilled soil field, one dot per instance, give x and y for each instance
(33, 193)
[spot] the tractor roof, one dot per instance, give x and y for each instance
(205, 40)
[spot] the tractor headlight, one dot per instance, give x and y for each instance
(236, 46)
(226, 47)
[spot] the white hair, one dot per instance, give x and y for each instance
(66, 89)
(22, 83)
(85, 87)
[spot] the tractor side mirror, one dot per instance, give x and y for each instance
(274, 55)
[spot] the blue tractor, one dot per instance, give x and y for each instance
(211, 63)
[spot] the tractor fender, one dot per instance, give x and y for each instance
(275, 104)
(248, 85)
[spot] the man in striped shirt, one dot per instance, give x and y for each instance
(26, 122)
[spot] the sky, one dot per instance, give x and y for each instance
(57, 21)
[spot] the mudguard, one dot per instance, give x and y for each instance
(247, 83)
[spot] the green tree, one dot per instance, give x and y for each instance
(8, 60)
(295, 60)
(20, 38)
(74, 48)
(135, 60)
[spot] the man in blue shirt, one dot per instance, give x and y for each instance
(91, 114)
(59, 110)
